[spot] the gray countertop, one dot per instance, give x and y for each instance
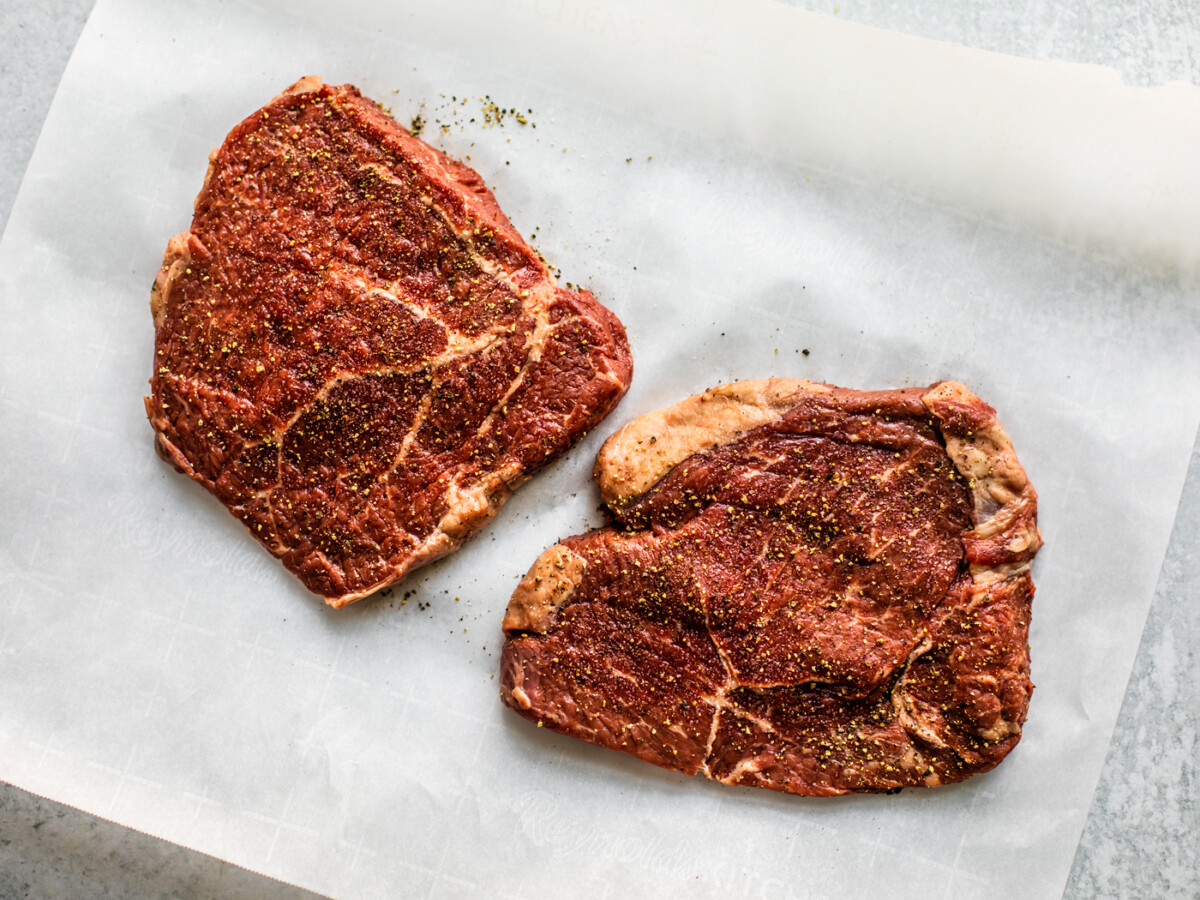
(1142, 837)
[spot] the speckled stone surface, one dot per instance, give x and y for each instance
(53, 851)
(1143, 831)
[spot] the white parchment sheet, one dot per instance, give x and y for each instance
(755, 191)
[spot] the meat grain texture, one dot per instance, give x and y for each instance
(356, 352)
(807, 589)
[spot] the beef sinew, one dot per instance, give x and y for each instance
(811, 589)
(356, 352)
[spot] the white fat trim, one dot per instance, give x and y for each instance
(634, 459)
(548, 584)
(1001, 489)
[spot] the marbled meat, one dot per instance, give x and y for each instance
(807, 589)
(356, 352)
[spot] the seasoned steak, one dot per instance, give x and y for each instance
(356, 352)
(808, 589)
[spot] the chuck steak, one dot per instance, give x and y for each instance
(809, 589)
(356, 352)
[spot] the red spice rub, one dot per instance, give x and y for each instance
(809, 589)
(356, 352)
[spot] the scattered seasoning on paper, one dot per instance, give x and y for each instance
(449, 114)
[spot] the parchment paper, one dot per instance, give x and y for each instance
(741, 183)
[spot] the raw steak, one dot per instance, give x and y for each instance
(810, 589)
(356, 352)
